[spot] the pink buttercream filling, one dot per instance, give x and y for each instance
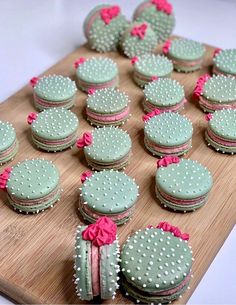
(46, 103)
(95, 270)
(108, 118)
(169, 150)
(55, 142)
(185, 62)
(176, 289)
(220, 140)
(88, 86)
(166, 108)
(8, 151)
(213, 106)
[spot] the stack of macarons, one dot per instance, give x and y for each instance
(107, 106)
(182, 184)
(224, 62)
(32, 185)
(106, 148)
(54, 129)
(108, 193)
(8, 142)
(96, 260)
(53, 91)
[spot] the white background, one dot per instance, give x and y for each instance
(36, 34)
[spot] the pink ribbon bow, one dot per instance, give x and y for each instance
(216, 52)
(4, 176)
(151, 114)
(85, 140)
(31, 117)
(139, 30)
(163, 5)
(164, 162)
(79, 61)
(208, 116)
(165, 226)
(108, 13)
(153, 78)
(200, 84)
(166, 47)
(85, 175)
(34, 81)
(102, 232)
(134, 60)
(91, 91)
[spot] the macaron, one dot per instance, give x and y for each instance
(103, 26)
(165, 94)
(8, 142)
(149, 67)
(167, 133)
(160, 15)
(108, 193)
(96, 260)
(53, 91)
(138, 39)
(108, 106)
(187, 55)
(221, 130)
(216, 93)
(54, 129)
(106, 148)
(224, 62)
(96, 73)
(182, 184)
(156, 264)
(32, 185)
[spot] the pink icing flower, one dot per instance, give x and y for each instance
(102, 232)
(208, 116)
(139, 30)
(31, 117)
(79, 61)
(164, 162)
(216, 52)
(153, 78)
(163, 5)
(165, 226)
(4, 176)
(85, 175)
(91, 91)
(200, 85)
(134, 60)
(166, 47)
(85, 140)
(151, 114)
(33, 81)
(108, 13)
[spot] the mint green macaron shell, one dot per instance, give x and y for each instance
(109, 192)
(169, 129)
(33, 179)
(7, 135)
(223, 124)
(187, 179)
(225, 61)
(185, 49)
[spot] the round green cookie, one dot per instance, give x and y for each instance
(33, 185)
(108, 193)
(155, 265)
(8, 142)
(225, 62)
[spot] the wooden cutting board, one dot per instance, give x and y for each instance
(36, 251)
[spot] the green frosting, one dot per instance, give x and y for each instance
(97, 70)
(169, 129)
(55, 88)
(55, 124)
(109, 192)
(162, 23)
(185, 49)
(7, 135)
(225, 61)
(153, 260)
(134, 46)
(187, 179)
(32, 179)
(107, 101)
(223, 124)
(153, 65)
(220, 89)
(164, 92)
(109, 144)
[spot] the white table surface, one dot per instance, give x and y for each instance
(36, 34)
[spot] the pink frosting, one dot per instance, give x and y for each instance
(102, 232)
(163, 5)
(134, 60)
(91, 91)
(213, 106)
(216, 52)
(108, 118)
(85, 140)
(165, 226)
(4, 176)
(31, 117)
(95, 261)
(166, 46)
(164, 162)
(33, 81)
(85, 175)
(79, 61)
(108, 13)
(151, 114)
(153, 78)
(220, 140)
(200, 84)
(139, 31)
(208, 116)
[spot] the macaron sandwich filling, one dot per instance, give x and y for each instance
(8, 142)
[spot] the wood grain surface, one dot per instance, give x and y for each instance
(36, 251)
